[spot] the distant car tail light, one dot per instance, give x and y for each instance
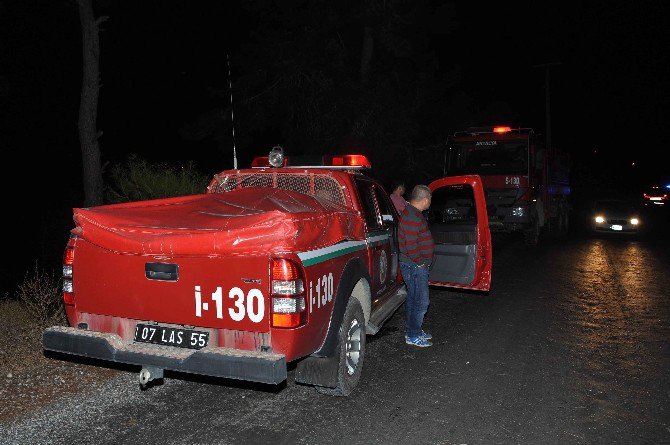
(288, 294)
(68, 261)
(655, 197)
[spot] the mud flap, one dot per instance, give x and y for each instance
(319, 371)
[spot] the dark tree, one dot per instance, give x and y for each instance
(323, 76)
(88, 106)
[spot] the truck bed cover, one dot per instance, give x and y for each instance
(238, 222)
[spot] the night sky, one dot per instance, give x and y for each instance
(163, 67)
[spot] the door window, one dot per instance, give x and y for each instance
(366, 191)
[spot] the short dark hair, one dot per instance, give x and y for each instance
(397, 183)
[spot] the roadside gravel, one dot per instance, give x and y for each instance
(54, 422)
(30, 381)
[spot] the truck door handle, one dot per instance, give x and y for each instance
(162, 271)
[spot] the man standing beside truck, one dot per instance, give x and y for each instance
(397, 192)
(416, 254)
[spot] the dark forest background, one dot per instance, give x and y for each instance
(391, 79)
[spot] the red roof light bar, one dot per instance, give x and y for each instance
(502, 129)
(347, 161)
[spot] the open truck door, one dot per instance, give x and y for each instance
(458, 220)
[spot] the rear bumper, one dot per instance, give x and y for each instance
(262, 367)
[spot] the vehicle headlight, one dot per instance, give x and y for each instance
(634, 221)
(600, 219)
(518, 211)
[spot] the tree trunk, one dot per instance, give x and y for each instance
(88, 105)
(366, 53)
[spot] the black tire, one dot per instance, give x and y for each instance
(531, 236)
(351, 350)
(566, 223)
(555, 227)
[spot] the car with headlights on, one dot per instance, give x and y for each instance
(615, 216)
(656, 195)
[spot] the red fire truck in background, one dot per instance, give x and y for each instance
(526, 185)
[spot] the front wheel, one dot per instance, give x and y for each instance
(566, 222)
(531, 235)
(351, 350)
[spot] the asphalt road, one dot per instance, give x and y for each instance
(572, 345)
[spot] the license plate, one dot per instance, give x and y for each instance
(163, 335)
(617, 227)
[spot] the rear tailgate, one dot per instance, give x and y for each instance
(222, 292)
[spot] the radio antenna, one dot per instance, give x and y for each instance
(232, 115)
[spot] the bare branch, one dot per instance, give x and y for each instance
(267, 89)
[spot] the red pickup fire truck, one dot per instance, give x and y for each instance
(274, 264)
(527, 185)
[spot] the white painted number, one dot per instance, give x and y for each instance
(512, 180)
(324, 295)
(252, 305)
(217, 296)
(324, 292)
(238, 294)
(255, 313)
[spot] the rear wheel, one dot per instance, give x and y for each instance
(351, 351)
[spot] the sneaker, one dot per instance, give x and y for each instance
(425, 335)
(418, 341)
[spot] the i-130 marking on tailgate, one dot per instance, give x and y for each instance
(250, 305)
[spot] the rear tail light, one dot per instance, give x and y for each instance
(68, 261)
(655, 197)
(288, 294)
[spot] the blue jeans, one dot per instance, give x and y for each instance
(416, 305)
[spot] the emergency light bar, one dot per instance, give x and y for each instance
(263, 162)
(502, 129)
(347, 161)
(337, 162)
(498, 129)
